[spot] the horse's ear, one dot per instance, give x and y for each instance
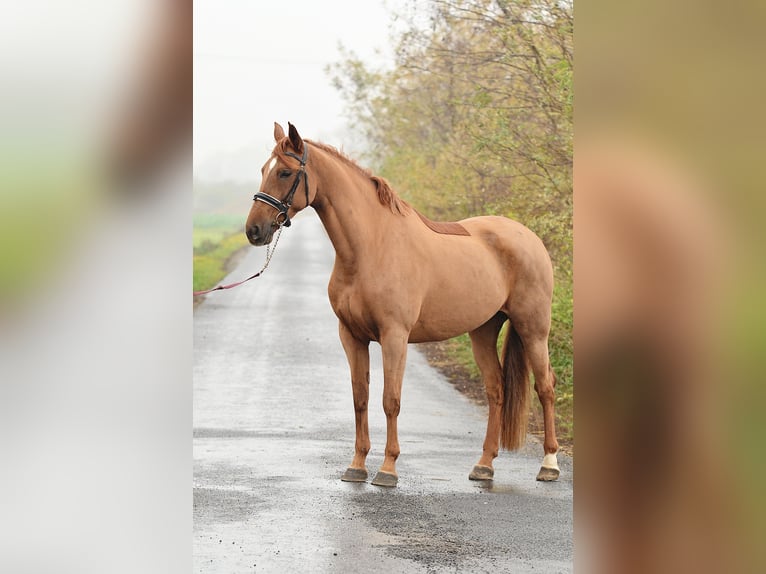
(279, 133)
(295, 138)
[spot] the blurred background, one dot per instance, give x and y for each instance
(668, 286)
(102, 192)
(95, 270)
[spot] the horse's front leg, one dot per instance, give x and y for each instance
(394, 350)
(358, 355)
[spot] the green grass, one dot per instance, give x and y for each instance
(216, 237)
(562, 358)
(207, 239)
(218, 221)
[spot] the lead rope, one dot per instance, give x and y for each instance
(270, 249)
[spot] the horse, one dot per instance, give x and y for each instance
(400, 278)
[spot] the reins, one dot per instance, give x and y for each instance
(282, 207)
(270, 249)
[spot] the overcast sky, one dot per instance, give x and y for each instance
(260, 61)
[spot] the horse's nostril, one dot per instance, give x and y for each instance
(253, 232)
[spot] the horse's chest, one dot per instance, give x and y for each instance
(351, 307)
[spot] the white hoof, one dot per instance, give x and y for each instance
(549, 471)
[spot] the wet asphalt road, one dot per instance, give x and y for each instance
(274, 430)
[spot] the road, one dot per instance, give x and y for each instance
(274, 430)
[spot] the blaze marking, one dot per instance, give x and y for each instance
(272, 163)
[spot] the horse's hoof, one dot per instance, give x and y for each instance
(481, 472)
(354, 475)
(548, 474)
(385, 479)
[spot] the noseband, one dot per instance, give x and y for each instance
(282, 206)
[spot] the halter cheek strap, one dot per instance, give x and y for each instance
(282, 206)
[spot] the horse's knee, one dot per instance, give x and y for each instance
(360, 405)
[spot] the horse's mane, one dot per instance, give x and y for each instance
(386, 195)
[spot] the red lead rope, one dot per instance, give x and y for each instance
(229, 286)
(269, 254)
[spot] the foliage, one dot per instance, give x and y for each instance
(475, 118)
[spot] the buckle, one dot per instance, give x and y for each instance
(284, 221)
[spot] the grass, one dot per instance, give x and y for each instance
(219, 221)
(562, 358)
(216, 238)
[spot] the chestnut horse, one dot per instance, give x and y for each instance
(400, 278)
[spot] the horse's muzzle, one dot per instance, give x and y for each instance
(259, 235)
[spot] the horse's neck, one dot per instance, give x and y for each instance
(348, 206)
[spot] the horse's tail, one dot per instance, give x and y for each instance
(515, 391)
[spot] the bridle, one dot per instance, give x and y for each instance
(282, 206)
(281, 220)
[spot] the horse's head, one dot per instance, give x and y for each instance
(285, 188)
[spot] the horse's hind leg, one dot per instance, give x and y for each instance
(358, 355)
(537, 354)
(484, 345)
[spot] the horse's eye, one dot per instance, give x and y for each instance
(285, 173)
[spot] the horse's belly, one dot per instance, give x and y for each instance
(447, 313)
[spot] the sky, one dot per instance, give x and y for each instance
(257, 62)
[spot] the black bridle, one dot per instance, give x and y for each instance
(282, 206)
